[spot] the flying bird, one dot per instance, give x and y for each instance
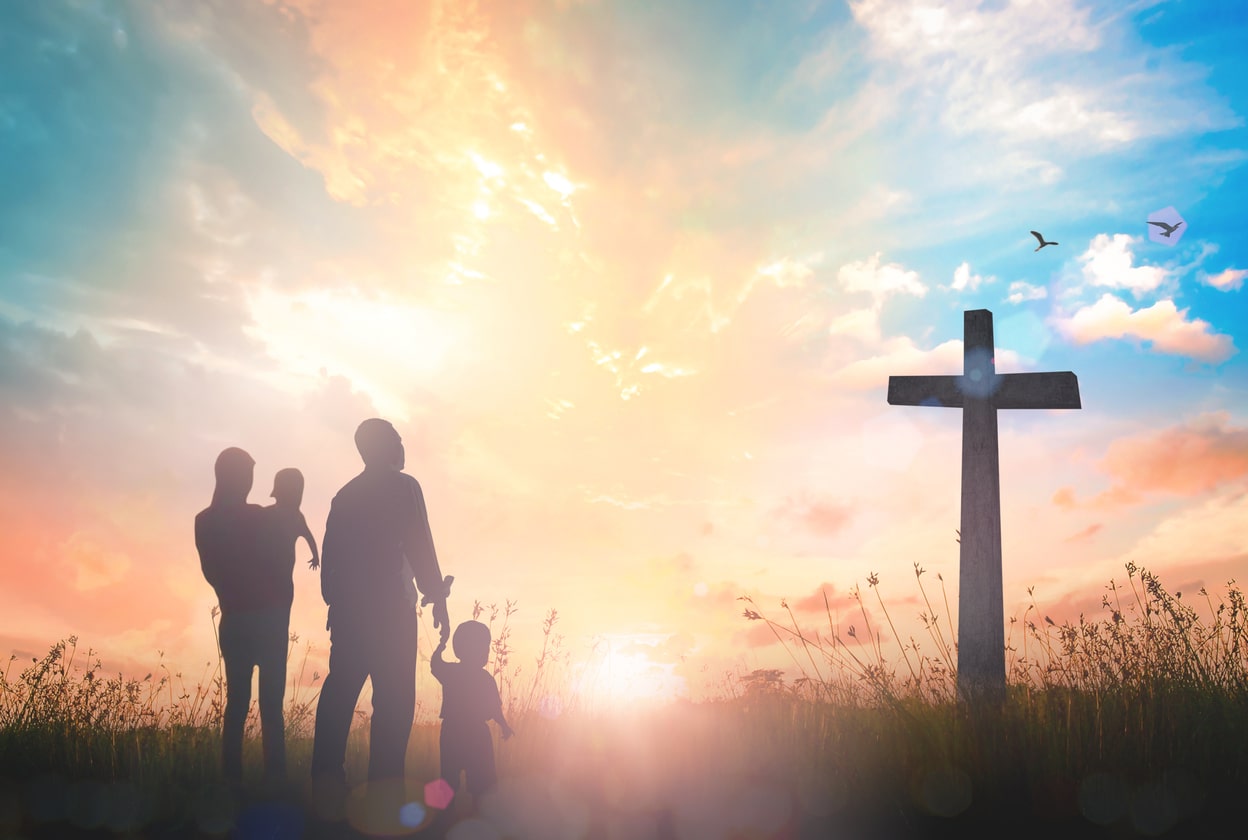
(1040, 238)
(1169, 229)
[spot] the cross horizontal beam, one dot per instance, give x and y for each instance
(1058, 389)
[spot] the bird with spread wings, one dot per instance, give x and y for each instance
(1167, 228)
(1040, 238)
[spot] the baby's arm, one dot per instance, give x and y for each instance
(498, 717)
(306, 533)
(436, 664)
(503, 727)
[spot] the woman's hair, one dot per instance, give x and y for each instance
(235, 471)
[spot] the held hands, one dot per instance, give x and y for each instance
(507, 731)
(441, 621)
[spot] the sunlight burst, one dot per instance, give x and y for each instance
(316, 332)
(627, 676)
(559, 184)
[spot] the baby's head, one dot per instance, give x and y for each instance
(472, 643)
(288, 487)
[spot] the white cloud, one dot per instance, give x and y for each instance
(919, 31)
(790, 272)
(1228, 280)
(1108, 262)
(862, 324)
(1163, 325)
(902, 357)
(879, 280)
(878, 202)
(1021, 291)
(1071, 113)
(1036, 71)
(963, 279)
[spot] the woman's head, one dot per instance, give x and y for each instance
(235, 471)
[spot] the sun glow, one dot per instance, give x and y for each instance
(626, 675)
(559, 184)
(488, 168)
(316, 332)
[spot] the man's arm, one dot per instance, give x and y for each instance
(418, 546)
(423, 559)
(329, 554)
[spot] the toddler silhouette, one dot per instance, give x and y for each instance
(469, 700)
(287, 520)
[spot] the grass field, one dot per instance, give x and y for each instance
(1133, 723)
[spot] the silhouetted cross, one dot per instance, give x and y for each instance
(979, 392)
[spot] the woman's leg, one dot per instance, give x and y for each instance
(272, 661)
(237, 649)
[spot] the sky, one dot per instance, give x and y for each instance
(629, 279)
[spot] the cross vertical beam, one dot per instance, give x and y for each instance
(980, 391)
(981, 611)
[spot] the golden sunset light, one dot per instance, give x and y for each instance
(630, 282)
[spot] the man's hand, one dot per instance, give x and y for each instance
(441, 621)
(446, 591)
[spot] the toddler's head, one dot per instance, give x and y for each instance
(472, 643)
(288, 487)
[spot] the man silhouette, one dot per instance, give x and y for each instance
(254, 591)
(376, 539)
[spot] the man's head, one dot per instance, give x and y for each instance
(379, 444)
(288, 486)
(472, 643)
(235, 471)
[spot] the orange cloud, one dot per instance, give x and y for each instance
(92, 565)
(1185, 460)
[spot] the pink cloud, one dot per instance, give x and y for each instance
(1186, 460)
(819, 516)
(1229, 280)
(819, 601)
(1087, 533)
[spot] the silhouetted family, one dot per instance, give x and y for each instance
(376, 553)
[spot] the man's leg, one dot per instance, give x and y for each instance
(239, 655)
(394, 696)
(348, 668)
(272, 664)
